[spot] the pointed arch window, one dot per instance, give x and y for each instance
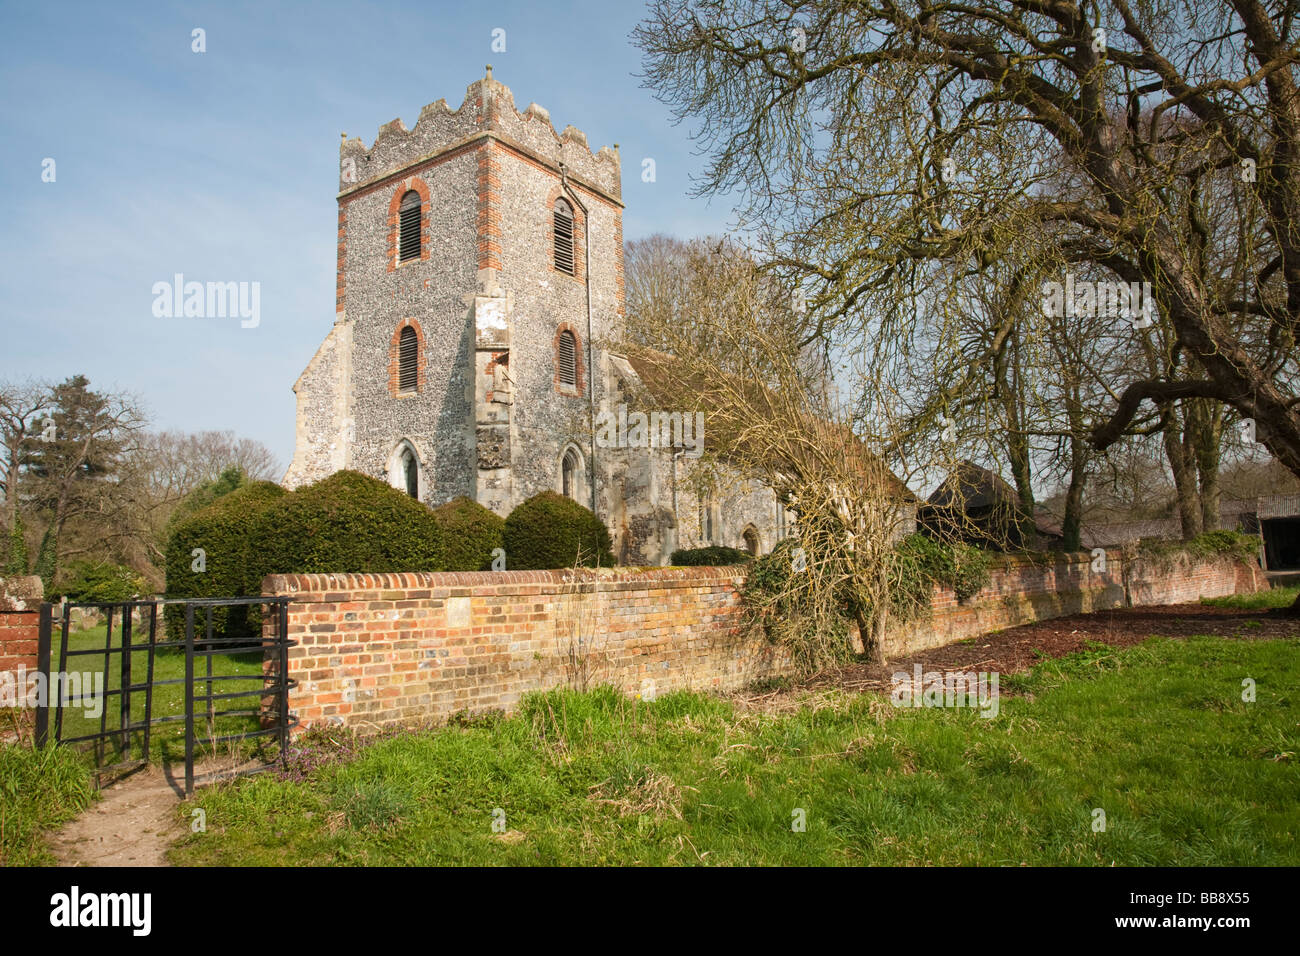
(569, 475)
(405, 472)
(411, 473)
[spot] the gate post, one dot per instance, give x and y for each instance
(189, 700)
(43, 667)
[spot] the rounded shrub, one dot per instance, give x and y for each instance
(224, 567)
(470, 533)
(709, 557)
(550, 531)
(346, 523)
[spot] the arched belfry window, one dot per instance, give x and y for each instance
(563, 236)
(566, 359)
(408, 361)
(569, 475)
(408, 217)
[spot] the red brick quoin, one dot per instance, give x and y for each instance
(488, 220)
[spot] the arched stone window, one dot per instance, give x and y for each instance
(411, 473)
(569, 475)
(570, 479)
(751, 540)
(405, 471)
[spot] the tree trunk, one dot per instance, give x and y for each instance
(1072, 522)
(1205, 426)
(1185, 497)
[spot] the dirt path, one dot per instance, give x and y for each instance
(134, 821)
(131, 824)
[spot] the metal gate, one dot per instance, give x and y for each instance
(142, 662)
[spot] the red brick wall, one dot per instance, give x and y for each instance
(1021, 591)
(387, 648)
(20, 604)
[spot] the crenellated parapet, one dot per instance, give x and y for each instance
(488, 110)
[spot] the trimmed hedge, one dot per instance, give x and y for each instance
(470, 532)
(231, 479)
(346, 523)
(714, 556)
(223, 530)
(549, 532)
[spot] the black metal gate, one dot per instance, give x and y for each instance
(142, 662)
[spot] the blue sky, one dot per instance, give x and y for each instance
(223, 166)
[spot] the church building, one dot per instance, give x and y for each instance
(475, 339)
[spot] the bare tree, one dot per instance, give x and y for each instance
(868, 139)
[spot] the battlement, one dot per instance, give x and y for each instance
(488, 110)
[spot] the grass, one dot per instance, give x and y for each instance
(43, 788)
(167, 740)
(1157, 736)
(40, 790)
(1259, 601)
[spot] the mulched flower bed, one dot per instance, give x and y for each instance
(1019, 648)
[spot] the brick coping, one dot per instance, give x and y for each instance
(289, 583)
(652, 576)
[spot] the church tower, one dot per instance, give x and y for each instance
(480, 264)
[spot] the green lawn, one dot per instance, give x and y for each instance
(1260, 600)
(40, 790)
(1157, 736)
(167, 739)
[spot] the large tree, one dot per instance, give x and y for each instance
(867, 141)
(72, 466)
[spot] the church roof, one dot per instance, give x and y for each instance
(970, 486)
